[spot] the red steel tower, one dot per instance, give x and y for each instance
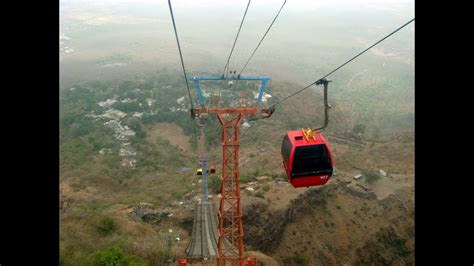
(230, 242)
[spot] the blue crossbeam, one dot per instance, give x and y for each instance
(201, 99)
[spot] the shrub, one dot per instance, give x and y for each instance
(298, 259)
(114, 256)
(371, 177)
(176, 195)
(246, 178)
(259, 194)
(106, 226)
(391, 240)
(162, 256)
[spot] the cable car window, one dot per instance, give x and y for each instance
(310, 160)
(286, 149)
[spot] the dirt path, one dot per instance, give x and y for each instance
(171, 132)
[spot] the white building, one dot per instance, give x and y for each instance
(150, 101)
(180, 100)
(113, 114)
(107, 103)
(139, 115)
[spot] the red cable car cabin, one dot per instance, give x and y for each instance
(213, 169)
(307, 158)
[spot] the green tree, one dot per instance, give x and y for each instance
(127, 107)
(75, 152)
(135, 124)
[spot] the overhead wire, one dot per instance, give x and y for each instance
(180, 54)
(235, 40)
(259, 43)
(393, 32)
(261, 40)
(198, 155)
(226, 67)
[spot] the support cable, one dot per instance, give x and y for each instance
(319, 80)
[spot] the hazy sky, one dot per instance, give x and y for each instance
(290, 5)
(308, 36)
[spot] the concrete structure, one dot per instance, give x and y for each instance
(121, 133)
(113, 114)
(203, 244)
(107, 103)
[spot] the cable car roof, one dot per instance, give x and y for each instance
(299, 138)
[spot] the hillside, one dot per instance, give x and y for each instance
(334, 225)
(127, 158)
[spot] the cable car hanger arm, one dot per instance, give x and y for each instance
(325, 83)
